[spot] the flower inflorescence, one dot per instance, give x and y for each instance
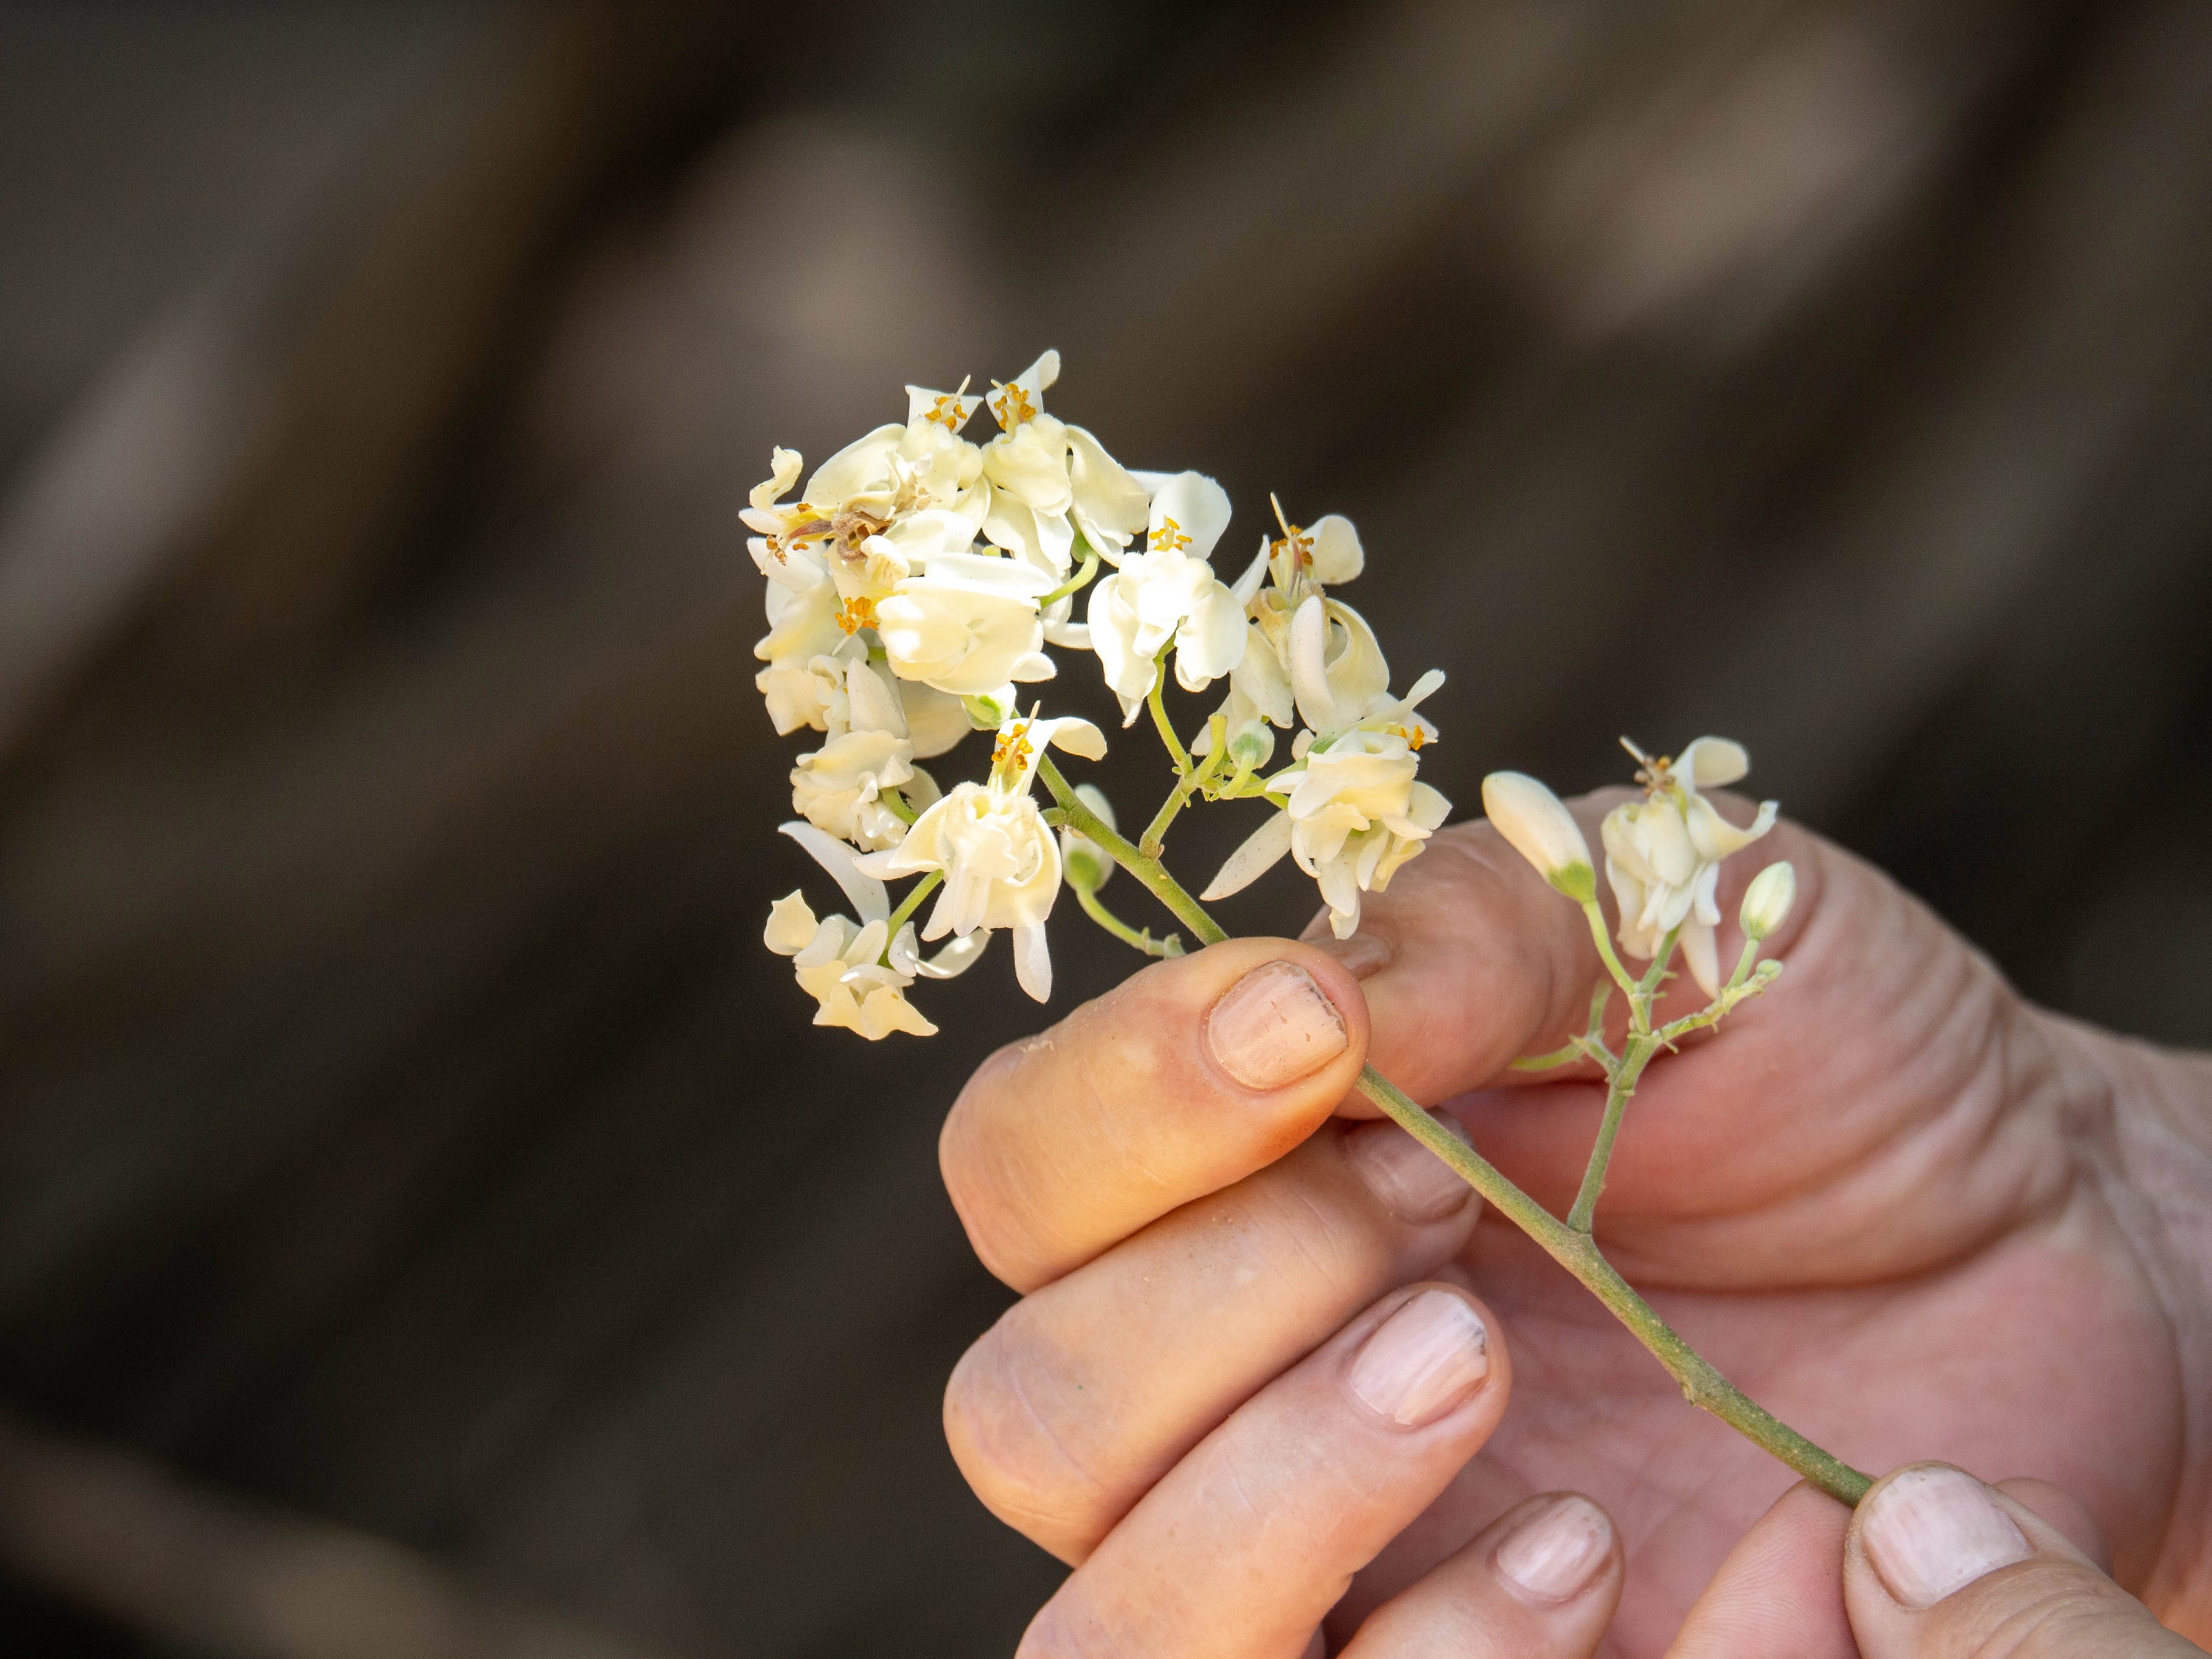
(916, 584)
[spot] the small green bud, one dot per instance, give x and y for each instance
(1766, 901)
(1250, 748)
(1085, 862)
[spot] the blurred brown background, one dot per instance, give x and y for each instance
(427, 1224)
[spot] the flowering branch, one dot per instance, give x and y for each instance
(914, 585)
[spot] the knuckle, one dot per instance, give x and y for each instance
(2049, 1608)
(1005, 1421)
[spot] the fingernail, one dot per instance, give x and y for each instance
(1414, 1183)
(1931, 1531)
(1423, 1360)
(1274, 1026)
(1554, 1553)
(1362, 955)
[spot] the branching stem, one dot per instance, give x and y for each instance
(1141, 940)
(1575, 1250)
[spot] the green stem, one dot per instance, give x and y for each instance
(1142, 940)
(1156, 832)
(1635, 1053)
(920, 891)
(1074, 584)
(1155, 699)
(1701, 1385)
(1162, 885)
(1725, 1002)
(1622, 977)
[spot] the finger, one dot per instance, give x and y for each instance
(1540, 1583)
(1085, 1392)
(1254, 1535)
(1937, 1564)
(1188, 1077)
(1469, 961)
(1781, 1589)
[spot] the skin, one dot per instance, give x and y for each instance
(1912, 1215)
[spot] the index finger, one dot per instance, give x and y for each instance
(1186, 1078)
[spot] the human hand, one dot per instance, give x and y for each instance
(1934, 1565)
(1896, 1205)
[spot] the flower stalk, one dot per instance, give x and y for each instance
(1573, 1246)
(911, 586)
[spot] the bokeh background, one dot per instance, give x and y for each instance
(427, 1224)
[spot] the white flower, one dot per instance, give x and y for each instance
(1662, 853)
(1296, 568)
(1000, 862)
(1353, 811)
(1170, 593)
(1541, 828)
(1766, 901)
(856, 971)
(841, 787)
(967, 625)
(843, 966)
(1048, 480)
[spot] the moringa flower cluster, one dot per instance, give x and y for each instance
(920, 581)
(1662, 853)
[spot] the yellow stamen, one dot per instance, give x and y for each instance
(854, 614)
(1012, 406)
(1168, 537)
(1011, 751)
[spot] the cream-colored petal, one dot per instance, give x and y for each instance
(1110, 506)
(1309, 665)
(791, 925)
(1199, 509)
(1702, 955)
(934, 719)
(886, 1011)
(955, 959)
(1713, 762)
(866, 892)
(1211, 640)
(1337, 555)
(862, 464)
(1033, 961)
(1260, 852)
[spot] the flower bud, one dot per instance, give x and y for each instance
(1766, 901)
(1087, 864)
(1542, 832)
(1251, 747)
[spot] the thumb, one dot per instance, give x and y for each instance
(1936, 1565)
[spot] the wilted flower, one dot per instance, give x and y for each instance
(856, 971)
(1353, 811)
(1000, 862)
(877, 509)
(842, 787)
(1048, 480)
(1170, 593)
(968, 625)
(1662, 853)
(1541, 828)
